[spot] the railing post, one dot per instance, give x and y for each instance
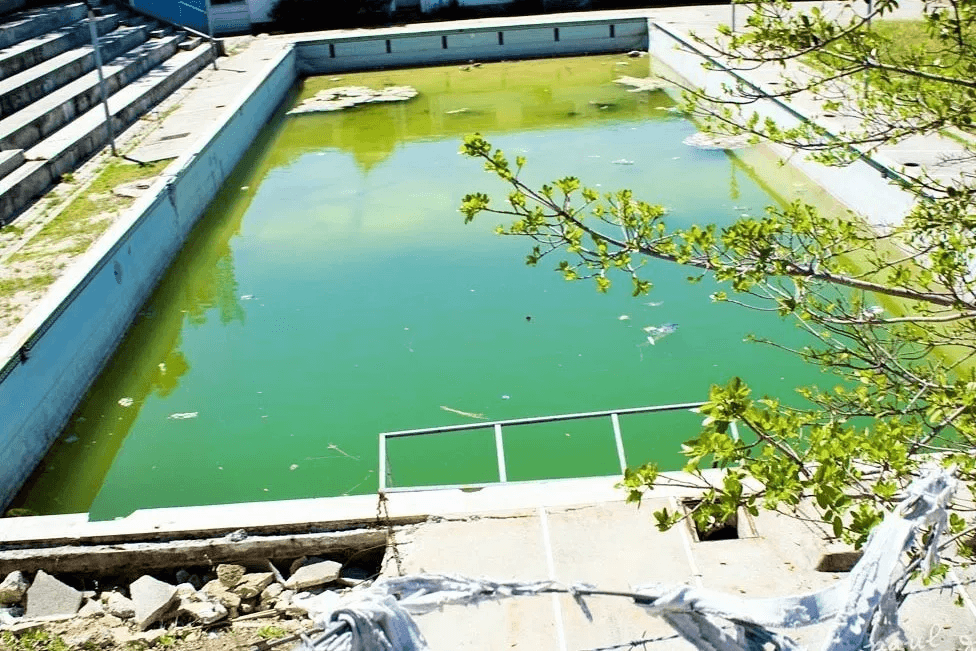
(500, 451)
(382, 463)
(620, 442)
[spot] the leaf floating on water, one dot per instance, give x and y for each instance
(464, 413)
(126, 402)
(183, 416)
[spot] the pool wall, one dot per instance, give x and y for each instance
(56, 353)
(48, 363)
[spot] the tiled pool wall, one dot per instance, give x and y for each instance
(53, 356)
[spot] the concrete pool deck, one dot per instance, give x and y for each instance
(572, 530)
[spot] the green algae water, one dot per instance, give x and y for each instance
(332, 292)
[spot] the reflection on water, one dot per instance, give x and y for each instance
(331, 292)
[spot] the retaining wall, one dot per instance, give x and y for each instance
(54, 355)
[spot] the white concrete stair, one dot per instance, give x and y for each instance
(27, 127)
(66, 148)
(10, 159)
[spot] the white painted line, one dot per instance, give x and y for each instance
(686, 543)
(557, 609)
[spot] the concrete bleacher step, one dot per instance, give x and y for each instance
(32, 124)
(64, 150)
(31, 52)
(28, 24)
(10, 159)
(191, 43)
(22, 89)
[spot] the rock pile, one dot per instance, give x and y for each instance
(343, 97)
(125, 613)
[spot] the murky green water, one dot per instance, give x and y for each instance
(332, 292)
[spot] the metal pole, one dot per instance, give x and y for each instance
(101, 80)
(500, 451)
(620, 443)
(213, 45)
(382, 464)
(732, 5)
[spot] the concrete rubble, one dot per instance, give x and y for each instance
(48, 596)
(140, 611)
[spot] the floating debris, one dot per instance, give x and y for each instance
(71, 439)
(636, 54)
(656, 333)
(183, 416)
(654, 303)
(343, 97)
(457, 111)
(162, 368)
(716, 141)
(640, 84)
(506, 397)
(872, 312)
(247, 297)
(293, 466)
(468, 414)
(623, 161)
(623, 317)
(126, 402)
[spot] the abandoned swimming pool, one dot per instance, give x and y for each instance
(331, 292)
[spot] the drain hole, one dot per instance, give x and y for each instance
(838, 560)
(725, 530)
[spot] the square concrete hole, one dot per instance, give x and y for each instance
(740, 525)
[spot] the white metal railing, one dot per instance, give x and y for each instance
(385, 474)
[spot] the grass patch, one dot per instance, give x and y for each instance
(271, 632)
(77, 221)
(32, 641)
(10, 286)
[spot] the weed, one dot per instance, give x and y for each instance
(271, 632)
(68, 177)
(32, 641)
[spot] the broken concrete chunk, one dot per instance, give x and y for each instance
(152, 598)
(48, 596)
(219, 593)
(252, 584)
(202, 611)
(119, 606)
(184, 590)
(230, 575)
(92, 608)
(13, 588)
(314, 574)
